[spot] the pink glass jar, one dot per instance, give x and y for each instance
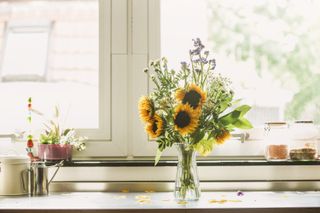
(55, 151)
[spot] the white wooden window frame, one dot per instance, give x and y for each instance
(110, 139)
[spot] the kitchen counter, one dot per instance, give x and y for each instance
(225, 202)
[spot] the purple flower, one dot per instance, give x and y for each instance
(198, 47)
(204, 60)
(196, 60)
(240, 193)
(212, 63)
(195, 51)
(197, 43)
(184, 65)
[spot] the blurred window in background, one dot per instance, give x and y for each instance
(50, 52)
(268, 48)
(25, 51)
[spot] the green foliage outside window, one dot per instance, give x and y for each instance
(288, 46)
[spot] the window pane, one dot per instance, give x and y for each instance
(50, 53)
(20, 40)
(269, 49)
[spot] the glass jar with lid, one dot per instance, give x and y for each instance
(277, 141)
(304, 141)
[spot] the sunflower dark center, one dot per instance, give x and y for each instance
(192, 98)
(154, 126)
(182, 119)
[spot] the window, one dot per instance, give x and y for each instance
(84, 60)
(267, 48)
(96, 55)
(131, 33)
(20, 39)
(50, 53)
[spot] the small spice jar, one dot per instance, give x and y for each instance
(277, 141)
(304, 141)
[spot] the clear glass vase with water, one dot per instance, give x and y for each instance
(187, 180)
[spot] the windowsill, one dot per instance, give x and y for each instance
(142, 163)
(248, 175)
(164, 202)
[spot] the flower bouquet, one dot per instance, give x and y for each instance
(193, 108)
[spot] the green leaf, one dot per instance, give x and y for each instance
(205, 146)
(158, 156)
(225, 104)
(237, 101)
(56, 112)
(197, 136)
(230, 118)
(66, 132)
(243, 123)
(243, 109)
(37, 112)
(236, 119)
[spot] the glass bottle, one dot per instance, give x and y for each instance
(277, 141)
(304, 141)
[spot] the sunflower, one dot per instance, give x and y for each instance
(194, 96)
(185, 119)
(180, 93)
(223, 136)
(146, 109)
(155, 127)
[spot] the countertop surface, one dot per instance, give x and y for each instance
(161, 200)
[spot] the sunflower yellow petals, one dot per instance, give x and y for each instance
(185, 113)
(146, 109)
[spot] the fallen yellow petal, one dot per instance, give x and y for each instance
(120, 197)
(182, 202)
(218, 201)
(143, 197)
(144, 201)
(223, 201)
(235, 201)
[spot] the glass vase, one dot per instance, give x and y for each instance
(187, 180)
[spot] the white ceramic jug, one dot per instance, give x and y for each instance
(11, 169)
